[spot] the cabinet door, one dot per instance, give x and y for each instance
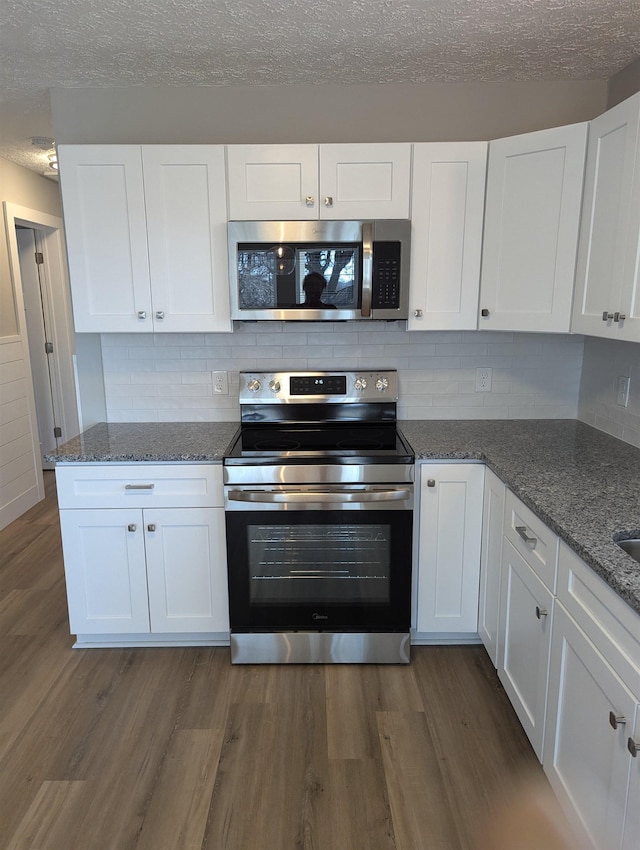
(534, 192)
(273, 182)
(186, 214)
(585, 758)
(526, 610)
(365, 181)
(106, 233)
(186, 566)
(447, 210)
(491, 564)
(449, 548)
(606, 272)
(631, 837)
(104, 562)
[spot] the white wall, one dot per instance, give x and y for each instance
(167, 377)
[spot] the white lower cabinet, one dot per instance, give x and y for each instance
(491, 564)
(135, 565)
(448, 558)
(525, 641)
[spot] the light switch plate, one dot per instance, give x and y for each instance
(622, 397)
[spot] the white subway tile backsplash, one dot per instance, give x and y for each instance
(167, 377)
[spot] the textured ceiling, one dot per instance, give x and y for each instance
(98, 43)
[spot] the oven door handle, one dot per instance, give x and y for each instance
(318, 495)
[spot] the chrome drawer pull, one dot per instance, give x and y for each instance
(139, 486)
(151, 527)
(131, 527)
(541, 612)
(633, 746)
(616, 720)
(522, 531)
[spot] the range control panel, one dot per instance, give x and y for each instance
(318, 387)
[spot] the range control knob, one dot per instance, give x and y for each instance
(360, 383)
(254, 385)
(382, 384)
(274, 386)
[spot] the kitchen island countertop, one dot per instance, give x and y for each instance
(584, 484)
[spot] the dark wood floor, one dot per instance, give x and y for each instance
(175, 749)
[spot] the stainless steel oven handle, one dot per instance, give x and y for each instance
(318, 495)
(367, 269)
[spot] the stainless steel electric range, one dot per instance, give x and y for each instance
(319, 513)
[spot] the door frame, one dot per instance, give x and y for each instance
(50, 234)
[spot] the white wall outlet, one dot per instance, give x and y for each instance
(622, 397)
(220, 383)
(483, 380)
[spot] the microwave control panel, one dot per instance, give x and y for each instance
(386, 275)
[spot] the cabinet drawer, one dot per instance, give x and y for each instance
(537, 544)
(139, 485)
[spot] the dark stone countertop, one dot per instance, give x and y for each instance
(584, 484)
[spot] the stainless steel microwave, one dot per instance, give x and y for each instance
(319, 270)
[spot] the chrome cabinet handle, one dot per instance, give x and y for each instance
(131, 527)
(541, 612)
(142, 314)
(616, 720)
(151, 527)
(633, 747)
(522, 531)
(139, 486)
(606, 316)
(269, 496)
(431, 482)
(619, 317)
(484, 313)
(309, 200)
(328, 201)
(159, 314)
(417, 314)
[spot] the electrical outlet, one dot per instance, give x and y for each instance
(622, 397)
(220, 383)
(483, 380)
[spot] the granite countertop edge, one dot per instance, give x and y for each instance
(583, 483)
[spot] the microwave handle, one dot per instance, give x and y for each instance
(367, 269)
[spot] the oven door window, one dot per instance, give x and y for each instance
(316, 276)
(314, 570)
(328, 565)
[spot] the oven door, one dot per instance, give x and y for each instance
(319, 558)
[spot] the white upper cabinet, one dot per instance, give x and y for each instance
(532, 212)
(448, 188)
(300, 182)
(146, 237)
(606, 302)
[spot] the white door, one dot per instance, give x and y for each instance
(449, 548)
(447, 213)
(491, 564)
(610, 225)
(186, 212)
(105, 570)
(585, 758)
(186, 567)
(532, 214)
(106, 230)
(272, 182)
(365, 181)
(40, 342)
(526, 612)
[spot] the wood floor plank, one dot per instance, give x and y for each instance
(178, 812)
(46, 822)
(416, 787)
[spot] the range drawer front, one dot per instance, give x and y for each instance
(537, 544)
(139, 485)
